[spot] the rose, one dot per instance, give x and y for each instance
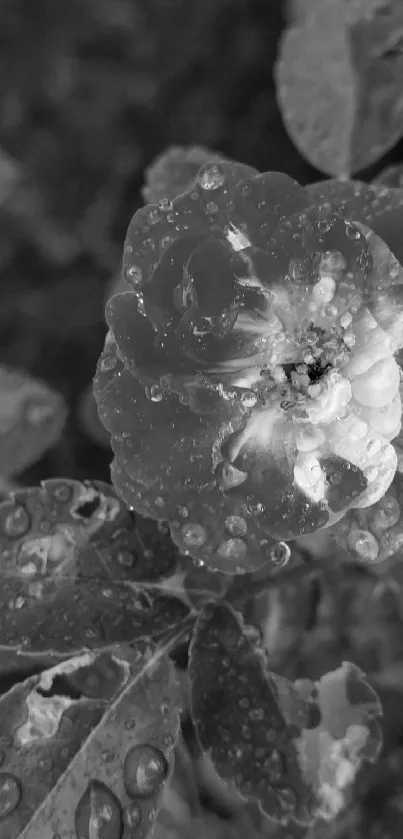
(249, 380)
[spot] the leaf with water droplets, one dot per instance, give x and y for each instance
(88, 747)
(238, 719)
(338, 79)
(79, 570)
(32, 418)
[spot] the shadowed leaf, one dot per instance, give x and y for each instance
(87, 747)
(79, 570)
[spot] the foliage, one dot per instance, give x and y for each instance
(338, 78)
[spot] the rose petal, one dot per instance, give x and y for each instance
(137, 341)
(265, 201)
(377, 206)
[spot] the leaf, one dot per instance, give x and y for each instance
(338, 79)
(87, 747)
(79, 570)
(32, 417)
(238, 719)
(293, 747)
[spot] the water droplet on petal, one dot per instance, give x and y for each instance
(98, 814)
(193, 535)
(126, 559)
(232, 549)
(17, 523)
(352, 231)
(364, 544)
(274, 766)
(19, 602)
(210, 176)
(165, 205)
(236, 525)
(154, 393)
(287, 799)
(249, 399)
(144, 770)
(134, 275)
(280, 554)
(229, 476)
(10, 794)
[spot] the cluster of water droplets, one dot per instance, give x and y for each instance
(373, 534)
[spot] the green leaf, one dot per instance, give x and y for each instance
(79, 570)
(338, 78)
(32, 417)
(88, 746)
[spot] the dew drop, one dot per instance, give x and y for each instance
(134, 275)
(126, 559)
(98, 814)
(287, 799)
(193, 535)
(236, 525)
(256, 714)
(154, 393)
(17, 523)
(210, 176)
(352, 231)
(62, 492)
(19, 602)
(274, 766)
(249, 399)
(386, 513)
(10, 794)
(364, 544)
(165, 205)
(154, 216)
(280, 554)
(144, 770)
(229, 476)
(232, 549)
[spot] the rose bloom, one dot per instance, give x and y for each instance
(250, 377)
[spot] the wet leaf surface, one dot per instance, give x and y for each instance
(87, 747)
(338, 78)
(238, 719)
(32, 417)
(79, 570)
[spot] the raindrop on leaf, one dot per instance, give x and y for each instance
(145, 768)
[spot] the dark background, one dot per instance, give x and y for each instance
(90, 92)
